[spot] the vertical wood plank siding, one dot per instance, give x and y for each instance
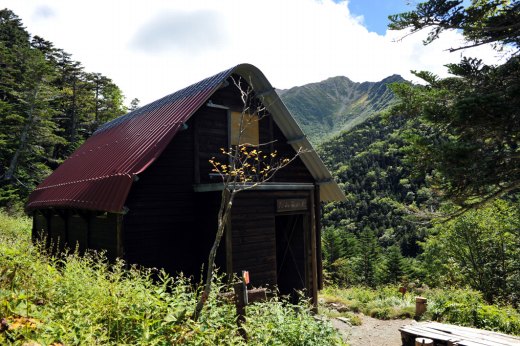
(162, 207)
(57, 232)
(78, 232)
(102, 233)
(254, 239)
(295, 172)
(212, 131)
(68, 229)
(40, 225)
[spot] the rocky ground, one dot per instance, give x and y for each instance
(372, 332)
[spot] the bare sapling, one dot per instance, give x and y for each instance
(248, 166)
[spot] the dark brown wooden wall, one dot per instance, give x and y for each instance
(40, 225)
(161, 206)
(295, 172)
(103, 233)
(253, 234)
(168, 225)
(78, 231)
(68, 229)
(212, 134)
(254, 245)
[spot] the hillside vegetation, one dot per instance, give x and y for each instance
(73, 300)
(378, 236)
(463, 307)
(325, 108)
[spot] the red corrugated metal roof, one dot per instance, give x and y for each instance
(100, 173)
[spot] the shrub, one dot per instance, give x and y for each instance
(279, 323)
(502, 319)
(85, 300)
(464, 307)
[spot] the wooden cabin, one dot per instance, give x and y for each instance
(142, 188)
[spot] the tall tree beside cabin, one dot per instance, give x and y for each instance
(473, 118)
(48, 106)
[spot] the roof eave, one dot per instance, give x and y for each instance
(329, 189)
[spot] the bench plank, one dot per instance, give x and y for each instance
(446, 334)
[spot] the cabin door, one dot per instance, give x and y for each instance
(290, 254)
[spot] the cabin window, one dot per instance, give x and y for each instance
(249, 134)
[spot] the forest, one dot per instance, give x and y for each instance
(432, 181)
(49, 105)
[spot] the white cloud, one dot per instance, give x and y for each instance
(43, 12)
(175, 32)
(180, 42)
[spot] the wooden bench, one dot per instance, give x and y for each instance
(450, 335)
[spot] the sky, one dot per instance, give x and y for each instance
(152, 48)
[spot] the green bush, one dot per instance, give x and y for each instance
(85, 300)
(279, 323)
(464, 307)
(502, 319)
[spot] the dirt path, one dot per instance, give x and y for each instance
(372, 332)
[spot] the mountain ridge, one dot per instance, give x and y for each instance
(324, 109)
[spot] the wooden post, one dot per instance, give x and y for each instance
(229, 250)
(34, 232)
(420, 306)
(317, 213)
(314, 261)
(241, 302)
(119, 236)
(196, 158)
(423, 342)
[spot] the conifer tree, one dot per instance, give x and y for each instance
(368, 257)
(470, 122)
(46, 108)
(393, 264)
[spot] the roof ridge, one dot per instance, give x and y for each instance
(160, 102)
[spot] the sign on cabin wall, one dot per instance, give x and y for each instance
(292, 204)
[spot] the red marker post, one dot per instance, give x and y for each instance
(241, 301)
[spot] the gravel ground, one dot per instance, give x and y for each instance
(372, 332)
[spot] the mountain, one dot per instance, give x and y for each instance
(326, 108)
(365, 152)
(368, 161)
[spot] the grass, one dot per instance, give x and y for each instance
(85, 300)
(463, 307)
(352, 317)
(382, 303)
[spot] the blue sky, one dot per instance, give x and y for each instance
(375, 12)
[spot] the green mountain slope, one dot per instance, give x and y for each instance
(325, 108)
(368, 162)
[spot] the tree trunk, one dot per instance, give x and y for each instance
(96, 114)
(226, 203)
(73, 116)
(24, 137)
